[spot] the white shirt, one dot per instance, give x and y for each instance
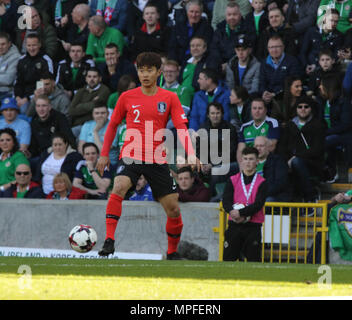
(50, 168)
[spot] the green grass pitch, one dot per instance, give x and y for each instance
(82, 279)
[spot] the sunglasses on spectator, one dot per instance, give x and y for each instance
(22, 173)
(305, 106)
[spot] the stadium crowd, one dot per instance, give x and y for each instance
(275, 73)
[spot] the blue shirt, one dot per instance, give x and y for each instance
(22, 129)
(87, 135)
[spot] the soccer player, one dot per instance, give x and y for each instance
(147, 110)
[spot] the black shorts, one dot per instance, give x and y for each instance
(158, 176)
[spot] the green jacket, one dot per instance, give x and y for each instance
(340, 230)
(96, 46)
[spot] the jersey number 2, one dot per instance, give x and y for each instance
(137, 113)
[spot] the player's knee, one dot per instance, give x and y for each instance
(120, 188)
(173, 210)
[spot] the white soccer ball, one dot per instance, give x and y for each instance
(82, 238)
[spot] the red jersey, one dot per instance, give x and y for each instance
(145, 116)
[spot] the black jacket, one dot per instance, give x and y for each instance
(35, 192)
(64, 74)
(233, 139)
(222, 46)
(288, 35)
(42, 131)
(275, 172)
(293, 144)
(313, 43)
(179, 38)
(29, 71)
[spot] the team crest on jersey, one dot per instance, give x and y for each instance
(162, 107)
(345, 217)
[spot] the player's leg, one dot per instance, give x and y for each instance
(174, 224)
(113, 212)
(252, 245)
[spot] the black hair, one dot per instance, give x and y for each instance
(148, 59)
(90, 144)
(186, 169)
(217, 105)
(250, 150)
(12, 133)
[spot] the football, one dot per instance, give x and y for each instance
(82, 238)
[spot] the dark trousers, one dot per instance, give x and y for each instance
(332, 142)
(243, 241)
(301, 171)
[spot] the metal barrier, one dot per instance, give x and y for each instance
(286, 224)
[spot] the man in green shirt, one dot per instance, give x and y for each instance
(100, 35)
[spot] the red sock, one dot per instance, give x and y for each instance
(173, 229)
(113, 213)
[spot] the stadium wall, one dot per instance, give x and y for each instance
(27, 223)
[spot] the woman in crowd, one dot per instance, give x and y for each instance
(284, 110)
(63, 189)
(87, 178)
(10, 157)
(240, 107)
(60, 157)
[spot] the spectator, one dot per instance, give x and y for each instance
(100, 35)
(142, 192)
(257, 21)
(211, 90)
(42, 6)
(284, 110)
(87, 178)
(29, 70)
(95, 93)
(347, 81)
(261, 125)
(59, 100)
(152, 36)
(9, 57)
(10, 157)
(244, 199)
(9, 18)
(78, 31)
(301, 15)
(195, 64)
(190, 188)
(23, 186)
(63, 189)
(274, 169)
(45, 31)
(113, 11)
(125, 83)
(45, 123)
(326, 66)
(344, 9)
(243, 68)
(115, 66)
(59, 158)
(186, 27)
(171, 72)
(338, 116)
(135, 14)
(220, 137)
(10, 112)
(94, 131)
(71, 73)
(61, 14)
(218, 13)
(240, 107)
(317, 38)
(273, 71)
(226, 36)
(302, 145)
(277, 27)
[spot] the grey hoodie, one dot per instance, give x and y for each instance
(8, 69)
